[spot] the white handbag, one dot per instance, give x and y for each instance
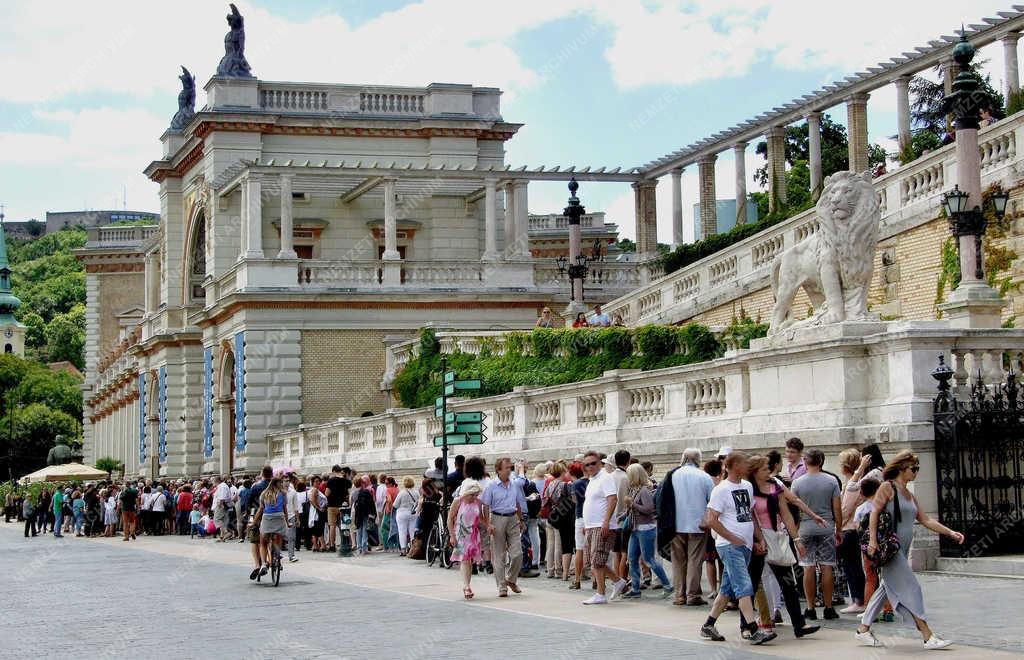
(780, 552)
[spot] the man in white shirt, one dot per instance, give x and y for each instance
(599, 319)
(292, 500)
(158, 507)
(731, 515)
(221, 502)
(598, 514)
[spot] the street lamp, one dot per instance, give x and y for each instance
(973, 302)
(577, 263)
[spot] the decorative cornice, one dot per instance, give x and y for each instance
(204, 128)
(161, 172)
(120, 267)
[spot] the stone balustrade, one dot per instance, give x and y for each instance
(557, 222)
(873, 382)
(401, 102)
(115, 235)
(909, 196)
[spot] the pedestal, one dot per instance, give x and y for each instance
(973, 305)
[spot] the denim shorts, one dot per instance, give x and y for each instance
(736, 580)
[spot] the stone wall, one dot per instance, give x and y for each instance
(115, 293)
(341, 372)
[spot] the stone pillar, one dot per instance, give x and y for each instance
(903, 134)
(708, 210)
(287, 226)
(152, 279)
(857, 127)
(776, 167)
(677, 207)
(1011, 72)
(739, 151)
(814, 152)
(949, 69)
(490, 220)
(522, 220)
(510, 221)
(390, 222)
(253, 218)
(646, 219)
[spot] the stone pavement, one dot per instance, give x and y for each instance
(338, 608)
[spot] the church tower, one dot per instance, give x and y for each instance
(13, 340)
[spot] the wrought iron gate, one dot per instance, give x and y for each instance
(979, 454)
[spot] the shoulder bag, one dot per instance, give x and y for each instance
(888, 540)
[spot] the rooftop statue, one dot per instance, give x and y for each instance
(833, 265)
(186, 101)
(233, 64)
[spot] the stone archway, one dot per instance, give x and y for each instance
(195, 259)
(226, 408)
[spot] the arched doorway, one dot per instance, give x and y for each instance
(195, 259)
(226, 408)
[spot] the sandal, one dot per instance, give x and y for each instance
(467, 593)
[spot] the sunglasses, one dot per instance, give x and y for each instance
(915, 469)
(592, 464)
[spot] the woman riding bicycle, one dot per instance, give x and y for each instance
(272, 518)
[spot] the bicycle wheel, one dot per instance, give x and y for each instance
(432, 546)
(275, 567)
(445, 555)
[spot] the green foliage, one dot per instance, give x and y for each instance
(558, 356)
(1015, 103)
(35, 427)
(429, 345)
(544, 341)
(928, 111)
(109, 464)
(741, 330)
(1010, 322)
(626, 245)
(65, 337)
(684, 255)
(920, 141)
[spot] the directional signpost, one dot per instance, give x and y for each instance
(457, 428)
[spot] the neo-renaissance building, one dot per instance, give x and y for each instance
(303, 228)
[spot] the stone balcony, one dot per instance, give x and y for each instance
(909, 196)
(114, 236)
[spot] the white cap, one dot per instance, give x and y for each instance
(608, 460)
(724, 451)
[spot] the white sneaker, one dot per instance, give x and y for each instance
(867, 638)
(617, 589)
(852, 609)
(935, 642)
(596, 599)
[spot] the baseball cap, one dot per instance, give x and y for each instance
(723, 452)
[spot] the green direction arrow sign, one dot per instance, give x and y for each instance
(473, 384)
(449, 377)
(463, 428)
(438, 402)
(464, 417)
(449, 389)
(460, 439)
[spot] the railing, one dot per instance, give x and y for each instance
(908, 196)
(554, 221)
(119, 235)
(431, 101)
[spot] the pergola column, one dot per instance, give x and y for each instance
(522, 219)
(390, 223)
(1010, 69)
(857, 125)
(903, 134)
(510, 221)
(646, 208)
(287, 225)
(708, 210)
(490, 220)
(949, 70)
(253, 221)
(776, 167)
(814, 152)
(677, 207)
(739, 151)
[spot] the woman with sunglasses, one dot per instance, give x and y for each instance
(899, 585)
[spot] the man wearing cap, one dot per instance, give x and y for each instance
(507, 504)
(599, 526)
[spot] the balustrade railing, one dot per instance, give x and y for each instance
(908, 196)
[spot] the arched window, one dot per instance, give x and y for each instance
(197, 260)
(8, 348)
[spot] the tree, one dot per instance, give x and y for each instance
(35, 327)
(58, 390)
(835, 157)
(65, 336)
(36, 427)
(928, 112)
(626, 245)
(35, 228)
(109, 465)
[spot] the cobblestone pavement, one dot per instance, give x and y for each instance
(331, 608)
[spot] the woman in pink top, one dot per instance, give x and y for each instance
(772, 514)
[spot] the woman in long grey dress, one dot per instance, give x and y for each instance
(899, 585)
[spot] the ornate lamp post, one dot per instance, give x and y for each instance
(973, 304)
(576, 264)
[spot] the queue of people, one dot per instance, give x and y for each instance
(750, 527)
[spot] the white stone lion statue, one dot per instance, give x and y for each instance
(834, 265)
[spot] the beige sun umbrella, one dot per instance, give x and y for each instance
(65, 472)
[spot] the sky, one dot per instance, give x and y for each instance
(88, 87)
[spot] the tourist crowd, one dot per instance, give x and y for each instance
(765, 534)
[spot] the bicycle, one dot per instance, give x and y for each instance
(275, 565)
(438, 548)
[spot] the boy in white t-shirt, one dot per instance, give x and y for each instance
(731, 515)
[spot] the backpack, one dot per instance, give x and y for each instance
(887, 540)
(532, 506)
(545, 507)
(561, 503)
